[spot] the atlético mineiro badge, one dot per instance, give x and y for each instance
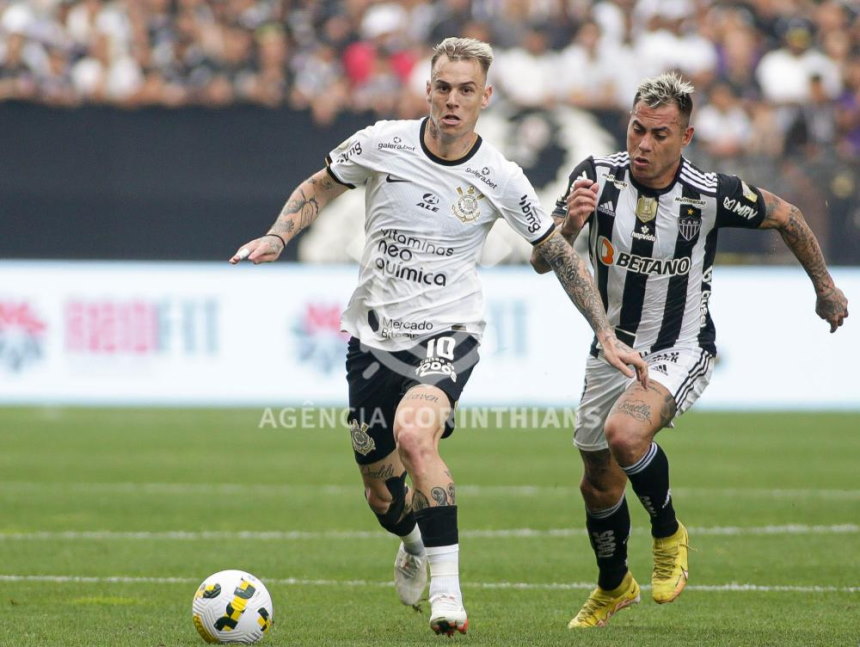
(646, 208)
(690, 223)
(466, 208)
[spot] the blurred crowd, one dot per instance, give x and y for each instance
(774, 77)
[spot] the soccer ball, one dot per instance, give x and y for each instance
(232, 607)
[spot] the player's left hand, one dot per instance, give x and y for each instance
(622, 357)
(265, 249)
(831, 305)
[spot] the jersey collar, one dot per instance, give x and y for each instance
(646, 190)
(444, 162)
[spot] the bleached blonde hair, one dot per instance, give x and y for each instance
(667, 89)
(464, 49)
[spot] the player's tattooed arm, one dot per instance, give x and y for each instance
(573, 274)
(831, 304)
(305, 203)
(300, 210)
(537, 261)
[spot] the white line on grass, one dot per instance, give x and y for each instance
(548, 586)
(292, 535)
(466, 490)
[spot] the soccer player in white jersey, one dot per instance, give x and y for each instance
(654, 219)
(433, 190)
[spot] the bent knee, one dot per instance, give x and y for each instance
(378, 501)
(627, 439)
(415, 443)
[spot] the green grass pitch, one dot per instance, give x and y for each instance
(110, 518)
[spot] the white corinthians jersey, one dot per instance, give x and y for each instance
(653, 251)
(426, 220)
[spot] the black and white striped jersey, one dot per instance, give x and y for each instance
(653, 250)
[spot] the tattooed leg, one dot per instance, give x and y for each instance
(636, 418)
(418, 427)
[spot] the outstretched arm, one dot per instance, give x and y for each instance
(831, 304)
(300, 210)
(581, 203)
(573, 274)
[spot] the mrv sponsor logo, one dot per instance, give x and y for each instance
(737, 207)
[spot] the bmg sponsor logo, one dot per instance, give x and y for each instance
(347, 149)
(529, 213)
(22, 335)
(141, 327)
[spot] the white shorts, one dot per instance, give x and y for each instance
(685, 372)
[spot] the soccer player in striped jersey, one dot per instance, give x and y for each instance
(653, 221)
(434, 189)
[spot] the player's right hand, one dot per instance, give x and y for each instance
(581, 203)
(622, 357)
(260, 250)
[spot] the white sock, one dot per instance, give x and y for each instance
(412, 543)
(444, 570)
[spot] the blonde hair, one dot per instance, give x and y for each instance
(667, 89)
(464, 49)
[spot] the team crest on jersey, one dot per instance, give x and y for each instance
(690, 223)
(467, 208)
(362, 443)
(646, 208)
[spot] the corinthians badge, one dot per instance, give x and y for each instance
(466, 208)
(646, 208)
(362, 443)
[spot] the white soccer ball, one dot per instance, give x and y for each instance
(232, 607)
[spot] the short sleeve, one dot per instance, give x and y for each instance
(738, 204)
(348, 162)
(522, 210)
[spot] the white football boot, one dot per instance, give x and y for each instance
(410, 576)
(447, 615)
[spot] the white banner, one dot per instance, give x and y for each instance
(213, 334)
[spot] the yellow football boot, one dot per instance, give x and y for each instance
(602, 605)
(670, 566)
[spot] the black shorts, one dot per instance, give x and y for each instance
(379, 379)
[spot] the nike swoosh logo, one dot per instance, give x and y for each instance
(390, 178)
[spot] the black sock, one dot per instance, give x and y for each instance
(649, 477)
(438, 525)
(608, 531)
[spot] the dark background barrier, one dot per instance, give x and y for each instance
(103, 183)
(192, 183)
